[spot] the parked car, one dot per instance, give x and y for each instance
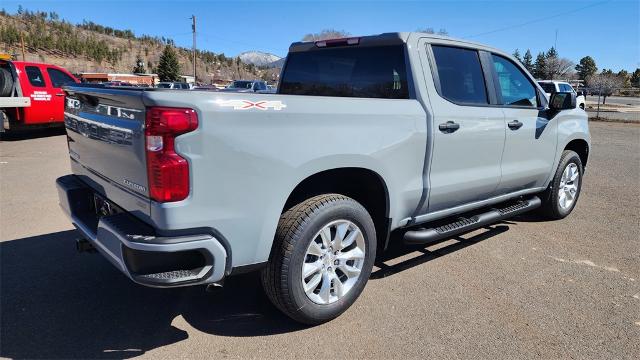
(206, 87)
(308, 184)
(117, 83)
(246, 86)
(174, 85)
(31, 94)
(551, 86)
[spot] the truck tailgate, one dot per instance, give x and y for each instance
(105, 130)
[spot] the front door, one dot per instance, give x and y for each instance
(58, 78)
(468, 134)
(530, 143)
(41, 94)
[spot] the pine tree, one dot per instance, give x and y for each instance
(635, 78)
(516, 54)
(168, 66)
(552, 53)
(527, 61)
(539, 67)
(586, 67)
(139, 67)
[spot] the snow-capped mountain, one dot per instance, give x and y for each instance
(258, 58)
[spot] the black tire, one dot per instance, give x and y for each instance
(282, 278)
(550, 198)
(6, 82)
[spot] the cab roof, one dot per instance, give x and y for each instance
(391, 38)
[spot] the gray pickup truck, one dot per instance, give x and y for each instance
(410, 133)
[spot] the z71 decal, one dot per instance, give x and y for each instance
(246, 104)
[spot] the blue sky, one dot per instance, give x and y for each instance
(609, 31)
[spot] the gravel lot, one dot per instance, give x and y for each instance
(520, 289)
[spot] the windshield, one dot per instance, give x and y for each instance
(548, 87)
(241, 85)
(164, 85)
(368, 72)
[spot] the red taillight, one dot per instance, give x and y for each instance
(167, 171)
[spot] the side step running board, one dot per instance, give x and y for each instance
(462, 224)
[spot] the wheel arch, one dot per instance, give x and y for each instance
(581, 147)
(365, 186)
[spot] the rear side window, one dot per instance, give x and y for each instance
(59, 78)
(548, 87)
(460, 73)
(515, 87)
(35, 76)
(368, 72)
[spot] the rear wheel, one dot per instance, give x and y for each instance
(321, 260)
(563, 192)
(6, 82)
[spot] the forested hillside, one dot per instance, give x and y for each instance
(90, 47)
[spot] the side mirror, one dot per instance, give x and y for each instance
(562, 101)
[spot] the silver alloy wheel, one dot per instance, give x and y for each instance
(333, 262)
(568, 190)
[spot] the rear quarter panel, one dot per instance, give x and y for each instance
(245, 163)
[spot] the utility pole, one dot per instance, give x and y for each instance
(22, 43)
(193, 28)
(555, 42)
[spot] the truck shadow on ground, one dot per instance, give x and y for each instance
(32, 134)
(400, 257)
(59, 304)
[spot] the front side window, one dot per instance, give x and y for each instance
(366, 72)
(460, 73)
(35, 76)
(59, 78)
(515, 87)
(566, 88)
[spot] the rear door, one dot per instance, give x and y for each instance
(57, 78)
(531, 138)
(468, 134)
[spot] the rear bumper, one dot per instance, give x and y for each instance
(134, 248)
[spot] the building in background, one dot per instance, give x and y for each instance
(133, 79)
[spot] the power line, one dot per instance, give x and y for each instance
(537, 20)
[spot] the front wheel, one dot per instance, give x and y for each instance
(321, 260)
(563, 192)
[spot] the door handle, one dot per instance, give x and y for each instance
(515, 125)
(449, 127)
(61, 94)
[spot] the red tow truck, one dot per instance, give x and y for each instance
(31, 94)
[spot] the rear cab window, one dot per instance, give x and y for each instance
(548, 87)
(460, 75)
(35, 76)
(366, 72)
